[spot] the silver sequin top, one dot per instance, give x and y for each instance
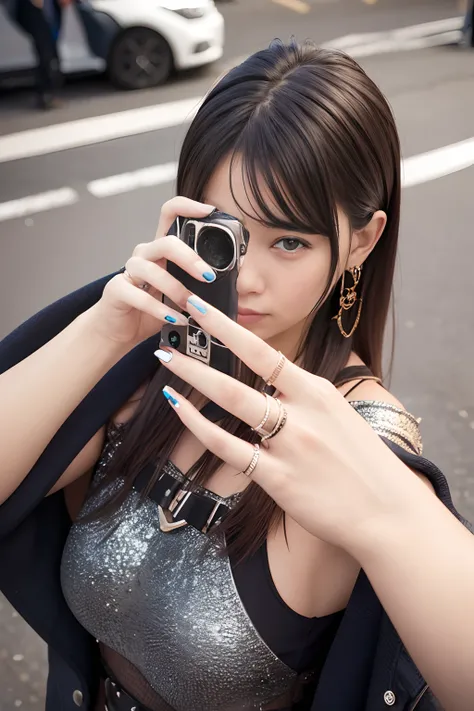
(167, 602)
(391, 422)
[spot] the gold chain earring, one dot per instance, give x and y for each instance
(348, 300)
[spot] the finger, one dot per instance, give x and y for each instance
(180, 207)
(133, 296)
(249, 348)
(143, 271)
(176, 251)
(232, 450)
(240, 400)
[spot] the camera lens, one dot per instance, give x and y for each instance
(174, 339)
(216, 247)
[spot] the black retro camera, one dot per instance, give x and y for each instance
(221, 241)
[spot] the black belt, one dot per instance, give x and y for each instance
(181, 504)
(117, 699)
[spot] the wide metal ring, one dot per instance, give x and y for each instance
(259, 428)
(144, 286)
(280, 423)
(278, 369)
(254, 461)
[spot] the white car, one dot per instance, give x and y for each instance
(139, 42)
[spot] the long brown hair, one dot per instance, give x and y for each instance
(317, 132)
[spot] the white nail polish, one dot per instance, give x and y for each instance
(164, 356)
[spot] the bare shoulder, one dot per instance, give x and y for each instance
(371, 390)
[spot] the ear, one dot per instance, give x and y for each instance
(363, 241)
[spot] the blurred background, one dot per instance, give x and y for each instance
(85, 168)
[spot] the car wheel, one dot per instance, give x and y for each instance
(139, 58)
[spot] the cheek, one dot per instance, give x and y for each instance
(301, 288)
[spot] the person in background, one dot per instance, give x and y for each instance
(468, 27)
(41, 20)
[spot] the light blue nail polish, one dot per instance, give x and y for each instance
(209, 276)
(193, 300)
(170, 397)
(170, 319)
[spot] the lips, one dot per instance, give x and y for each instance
(247, 317)
(248, 312)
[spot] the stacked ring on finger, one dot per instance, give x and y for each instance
(259, 428)
(254, 461)
(280, 421)
(144, 286)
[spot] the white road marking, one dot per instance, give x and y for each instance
(393, 44)
(97, 129)
(85, 132)
(430, 28)
(296, 5)
(37, 203)
(425, 29)
(126, 182)
(438, 163)
(415, 170)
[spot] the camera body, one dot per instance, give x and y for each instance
(222, 242)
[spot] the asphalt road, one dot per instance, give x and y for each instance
(46, 255)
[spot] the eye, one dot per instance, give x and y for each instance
(290, 244)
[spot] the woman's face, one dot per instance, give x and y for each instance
(283, 274)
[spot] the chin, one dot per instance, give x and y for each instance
(260, 330)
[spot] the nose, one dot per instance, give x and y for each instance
(251, 279)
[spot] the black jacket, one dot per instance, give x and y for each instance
(367, 658)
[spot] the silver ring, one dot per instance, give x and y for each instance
(254, 461)
(144, 286)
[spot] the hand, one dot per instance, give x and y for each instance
(37, 3)
(127, 313)
(326, 468)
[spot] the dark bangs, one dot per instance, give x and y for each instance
(275, 155)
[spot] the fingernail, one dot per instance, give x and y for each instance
(170, 398)
(197, 304)
(179, 319)
(165, 356)
(208, 274)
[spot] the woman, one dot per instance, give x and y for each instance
(244, 607)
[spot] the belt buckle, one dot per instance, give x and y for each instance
(174, 508)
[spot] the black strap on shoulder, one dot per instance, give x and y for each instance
(353, 372)
(356, 385)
